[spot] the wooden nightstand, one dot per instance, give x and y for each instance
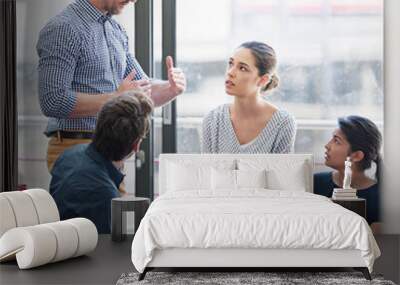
(357, 205)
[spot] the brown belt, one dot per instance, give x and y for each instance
(72, 134)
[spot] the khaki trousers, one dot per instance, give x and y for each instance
(56, 147)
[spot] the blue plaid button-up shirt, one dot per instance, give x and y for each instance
(80, 50)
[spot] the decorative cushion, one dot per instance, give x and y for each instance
(292, 172)
(31, 232)
(37, 245)
(251, 178)
(231, 180)
(27, 208)
(278, 180)
(67, 237)
(223, 179)
(183, 177)
(7, 218)
(23, 209)
(31, 246)
(198, 165)
(282, 172)
(45, 206)
(87, 233)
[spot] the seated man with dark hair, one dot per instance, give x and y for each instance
(86, 177)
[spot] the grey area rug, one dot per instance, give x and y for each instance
(225, 278)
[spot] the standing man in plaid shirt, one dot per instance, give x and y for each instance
(84, 61)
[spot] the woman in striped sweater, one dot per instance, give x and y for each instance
(250, 124)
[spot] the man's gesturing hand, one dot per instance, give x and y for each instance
(176, 77)
(129, 83)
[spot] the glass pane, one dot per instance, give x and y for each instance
(157, 16)
(126, 19)
(329, 60)
(32, 15)
(32, 143)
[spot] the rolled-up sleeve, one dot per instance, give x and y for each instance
(133, 64)
(58, 50)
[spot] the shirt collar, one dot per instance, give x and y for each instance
(91, 12)
(114, 173)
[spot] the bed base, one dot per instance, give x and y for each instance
(363, 270)
(237, 259)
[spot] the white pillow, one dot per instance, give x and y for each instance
(251, 178)
(45, 206)
(7, 217)
(23, 208)
(283, 172)
(291, 179)
(223, 179)
(183, 177)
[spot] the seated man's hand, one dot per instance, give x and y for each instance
(129, 83)
(176, 77)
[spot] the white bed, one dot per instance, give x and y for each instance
(247, 211)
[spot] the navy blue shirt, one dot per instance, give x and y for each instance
(83, 183)
(323, 185)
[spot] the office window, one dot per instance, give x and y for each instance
(329, 61)
(32, 143)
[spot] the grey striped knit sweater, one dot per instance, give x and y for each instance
(219, 136)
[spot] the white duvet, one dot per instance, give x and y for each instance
(250, 219)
